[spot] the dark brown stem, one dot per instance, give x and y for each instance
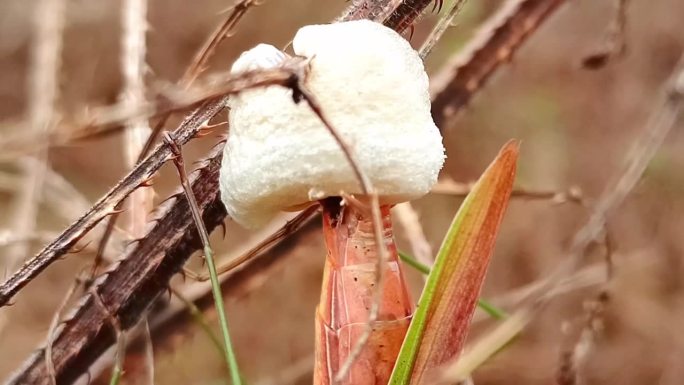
(133, 284)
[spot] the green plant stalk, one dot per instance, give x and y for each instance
(116, 375)
(209, 257)
(199, 319)
(231, 360)
(120, 356)
(486, 306)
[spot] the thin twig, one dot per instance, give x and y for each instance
(137, 129)
(222, 31)
(574, 360)
(444, 23)
(106, 120)
(572, 195)
(413, 230)
(231, 360)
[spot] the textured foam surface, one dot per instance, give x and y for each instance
(371, 85)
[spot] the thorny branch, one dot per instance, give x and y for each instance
(132, 284)
(197, 66)
(179, 162)
(144, 272)
(188, 129)
(494, 44)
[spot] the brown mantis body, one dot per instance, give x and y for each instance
(347, 298)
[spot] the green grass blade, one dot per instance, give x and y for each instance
(484, 305)
(439, 326)
(231, 360)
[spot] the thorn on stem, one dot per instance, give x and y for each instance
(115, 212)
(149, 182)
(224, 230)
(75, 250)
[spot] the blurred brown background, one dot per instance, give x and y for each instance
(576, 128)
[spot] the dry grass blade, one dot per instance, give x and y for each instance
(413, 230)
(494, 44)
